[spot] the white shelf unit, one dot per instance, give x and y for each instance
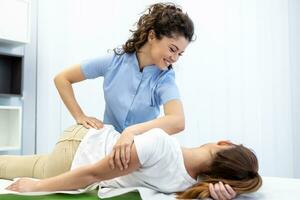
(10, 128)
(15, 21)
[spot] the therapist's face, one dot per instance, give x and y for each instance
(166, 51)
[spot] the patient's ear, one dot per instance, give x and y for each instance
(224, 142)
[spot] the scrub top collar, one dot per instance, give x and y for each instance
(149, 69)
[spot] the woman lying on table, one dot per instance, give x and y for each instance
(157, 161)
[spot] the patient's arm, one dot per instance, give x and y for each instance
(77, 178)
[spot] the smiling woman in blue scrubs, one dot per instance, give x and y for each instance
(138, 79)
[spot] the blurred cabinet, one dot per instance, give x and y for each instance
(15, 21)
(11, 75)
(10, 128)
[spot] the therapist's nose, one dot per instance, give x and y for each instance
(174, 58)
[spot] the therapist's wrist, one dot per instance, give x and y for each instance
(79, 115)
(132, 130)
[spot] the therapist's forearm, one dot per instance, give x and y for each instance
(66, 93)
(171, 124)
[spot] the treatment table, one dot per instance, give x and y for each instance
(274, 188)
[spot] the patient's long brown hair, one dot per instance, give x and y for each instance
(237, 167)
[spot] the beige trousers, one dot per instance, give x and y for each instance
(44, 166)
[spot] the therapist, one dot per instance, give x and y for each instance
(138, 79)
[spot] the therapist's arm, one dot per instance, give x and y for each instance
(77, 178)
(63, 82)
(172, 122)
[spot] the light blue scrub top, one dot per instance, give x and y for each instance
(131, 96)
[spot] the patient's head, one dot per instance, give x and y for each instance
(232, 164)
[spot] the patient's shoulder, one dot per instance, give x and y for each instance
(149, 145)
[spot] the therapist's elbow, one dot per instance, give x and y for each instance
(59, 79)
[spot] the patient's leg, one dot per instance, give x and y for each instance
(60, 160)
(20, 166)
(44, 166)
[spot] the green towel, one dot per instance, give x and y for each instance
(85, 196)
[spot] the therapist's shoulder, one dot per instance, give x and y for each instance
(166, 77)
(169, 74)
(118, 56)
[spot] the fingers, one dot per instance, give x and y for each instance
(212, 191)
(9, 187)
(86, 125)
(230, 191)
(123, 157)
(111, 159)
(118, 159)
(13, 187)
(98, 123)
(120, 155)
(218, 191)
(221, 192)
(127, 153)
(90, 122)
(95, 123)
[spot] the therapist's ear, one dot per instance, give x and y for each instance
(151, 36)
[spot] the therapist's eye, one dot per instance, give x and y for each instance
(172, 50)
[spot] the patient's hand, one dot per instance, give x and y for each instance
(24, 185)
(220, 191)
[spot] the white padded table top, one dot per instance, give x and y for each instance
(276, 188)
(273, 188)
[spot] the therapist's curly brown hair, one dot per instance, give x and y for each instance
(165, 19)
(237, 167)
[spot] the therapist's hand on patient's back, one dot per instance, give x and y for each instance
(89, 122)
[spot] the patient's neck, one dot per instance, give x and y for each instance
(196, 160)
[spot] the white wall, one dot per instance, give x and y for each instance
(294, 32)
(235, 79)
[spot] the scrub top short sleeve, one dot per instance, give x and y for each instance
(96, 67)
(167, 89)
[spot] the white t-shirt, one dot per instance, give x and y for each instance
(162, 166)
